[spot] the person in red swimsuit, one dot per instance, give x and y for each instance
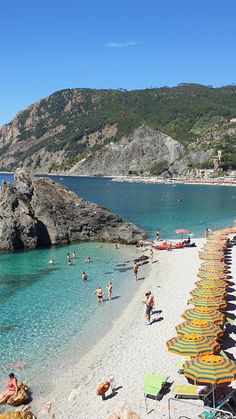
(11, 389)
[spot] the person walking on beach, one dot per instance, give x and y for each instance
(158, 234)
(109, 290)
(151, 255)
(150, 304)
(99, 293)
(136, 269)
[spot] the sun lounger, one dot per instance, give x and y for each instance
(153, 384)
(189, 391)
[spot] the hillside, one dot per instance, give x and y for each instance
(108, 132)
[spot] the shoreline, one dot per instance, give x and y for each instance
(130, 349)
(218, 181)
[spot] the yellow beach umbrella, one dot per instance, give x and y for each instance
(199, 327)
(204, 313)
(192, 345)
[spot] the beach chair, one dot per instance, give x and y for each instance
(189, 391)
(153, 385)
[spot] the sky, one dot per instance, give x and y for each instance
(49, 45)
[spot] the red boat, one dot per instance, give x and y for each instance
(168, 246)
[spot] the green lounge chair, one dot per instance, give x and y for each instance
(153, 384)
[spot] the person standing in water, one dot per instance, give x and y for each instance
(99, 293)
(109, 290)
(158, 234)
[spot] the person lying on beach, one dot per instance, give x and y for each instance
(84, 276)
(109, 290)
(99, 293)
(11, 390)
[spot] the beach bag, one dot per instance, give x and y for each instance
(22, 396)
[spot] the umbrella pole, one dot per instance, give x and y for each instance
(213, 396)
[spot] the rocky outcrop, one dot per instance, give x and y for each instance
(39, 212)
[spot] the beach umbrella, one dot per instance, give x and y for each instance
(216, 292)
(208, 301)
(199, 327)
(213, 276)
(210, 369)
(212, 257)
(204, 313)
(192, 345)
(182, 232)
(209, 284)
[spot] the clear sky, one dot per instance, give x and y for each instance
(49, 45)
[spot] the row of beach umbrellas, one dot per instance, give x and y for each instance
(197, 337)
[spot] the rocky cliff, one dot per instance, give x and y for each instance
(117, 132)
(39, 212)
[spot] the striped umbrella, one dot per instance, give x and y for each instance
(212, 275)
(214, 291)
(204, 313)
(208, 301)
(199, 327)
(192, 345)
(210, 369)
(209, 283)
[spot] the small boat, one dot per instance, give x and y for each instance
(168, 246)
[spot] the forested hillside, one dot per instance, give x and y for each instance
(74, 130)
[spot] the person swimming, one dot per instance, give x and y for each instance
(84, 276)
(51, 262)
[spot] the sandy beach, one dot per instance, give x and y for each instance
(132, 349)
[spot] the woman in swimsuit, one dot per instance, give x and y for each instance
(11, 389)
(99, 293)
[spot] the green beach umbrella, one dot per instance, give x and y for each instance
(208, 301)
(204, 313)
(215, 292)
(211, 283)
(192, 345)
(210, 369)
(199, 327)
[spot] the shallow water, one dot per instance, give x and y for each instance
(43, 307)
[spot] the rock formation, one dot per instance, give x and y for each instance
(38, 212)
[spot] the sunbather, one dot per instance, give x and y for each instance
(11, 390)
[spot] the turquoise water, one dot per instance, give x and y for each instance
(152, 206)
(44, 307)
(168, 207)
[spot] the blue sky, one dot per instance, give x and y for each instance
(48, 45)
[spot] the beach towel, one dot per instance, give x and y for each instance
(17, 415)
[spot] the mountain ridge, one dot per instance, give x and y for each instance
(166, 130)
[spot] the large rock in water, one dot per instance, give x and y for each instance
(38, 212)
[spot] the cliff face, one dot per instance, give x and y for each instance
(40, 212)
(114, 132)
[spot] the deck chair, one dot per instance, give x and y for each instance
(153, 384)
(190, 391)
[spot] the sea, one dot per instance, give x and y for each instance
(49, 317)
